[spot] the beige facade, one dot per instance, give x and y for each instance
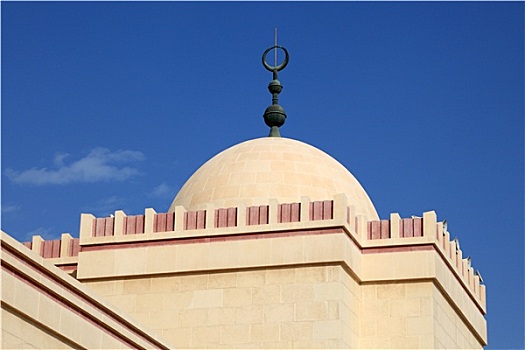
(45, 308)
(219, 270)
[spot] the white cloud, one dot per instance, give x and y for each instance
(41, 231)
(100, 164)
(106, 206)
(163, 191)
(10, 208)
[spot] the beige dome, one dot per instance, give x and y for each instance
(261, 169)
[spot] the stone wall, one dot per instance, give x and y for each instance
(301, 307)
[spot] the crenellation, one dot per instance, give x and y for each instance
(464, 268)
(395, 225)
(439, 233)
(180, 213)
(340, 208)
(65, 245)
(483, 294)
(149, 218)
(119, 223)
(273, 205)
(351, 217)
(458, 260)
(446, 244)
(304, 209)
(471, 278)
(430, 224)
(361, 227)
(452, 251)
(242, 214)
(376, 236)
(476, 284)
(209, 217)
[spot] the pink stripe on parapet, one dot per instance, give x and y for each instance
(408, 228)
(252, 215)
(190, 220)
(397, 249)
(170, 221)
(125, 225)
(328, 210)
(100, 227)
(55, 253)
(257, 215)
(110, 223)
(263, 214)
(289, 212)
(283, 213)
(385, 229)
(164, 222)
(139, 224)
(208, 239)
(74, 246)
(316, 210)
(50, 249)
(194, 220)
(133, 224)
(226, 217)
(418, 227)
(201, 219)
(28, 244)
(221, 217)
(321, 210)
(232, 217)
(295, 212)
(159, 223)
(378, 229)
(375, 229)
(411, 227)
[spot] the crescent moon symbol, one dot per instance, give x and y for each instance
(279, 67)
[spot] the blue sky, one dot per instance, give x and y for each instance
(113, 105)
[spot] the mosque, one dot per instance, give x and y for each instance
(272, 243)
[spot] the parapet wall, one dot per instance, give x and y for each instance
(44, 308)
(379, 236)
(62, 252)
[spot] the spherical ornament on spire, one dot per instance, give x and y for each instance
(275, 116)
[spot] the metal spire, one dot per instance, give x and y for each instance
(274, 115)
